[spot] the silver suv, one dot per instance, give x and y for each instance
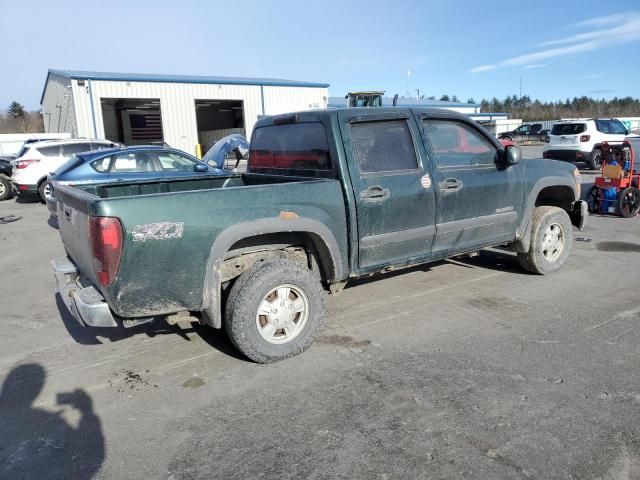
(580, 140)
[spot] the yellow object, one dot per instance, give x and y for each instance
(612, 171)
(198, 150)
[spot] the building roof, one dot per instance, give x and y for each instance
(409, 102)
(154, 77)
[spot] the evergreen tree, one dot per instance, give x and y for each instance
(15, 110)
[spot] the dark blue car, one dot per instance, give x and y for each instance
(132, 163)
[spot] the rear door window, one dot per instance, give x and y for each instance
(52, 151)
(604, 126)
(300, 147)
(568, 128)
(384, 146)
(72, 149)
(137, 162)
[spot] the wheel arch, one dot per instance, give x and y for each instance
(268, 234)
(550, 191)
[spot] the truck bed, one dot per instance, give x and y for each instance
(165, 275)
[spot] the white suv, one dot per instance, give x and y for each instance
(36, 160)
(579, 140)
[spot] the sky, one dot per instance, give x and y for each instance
(473, 49)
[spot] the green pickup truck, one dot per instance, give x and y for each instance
(328, 196)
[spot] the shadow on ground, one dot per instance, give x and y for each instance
(86, 335)
(40, 443)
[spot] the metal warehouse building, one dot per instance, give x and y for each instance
(180, 110)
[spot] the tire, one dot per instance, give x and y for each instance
(41, 187)
(595, 162)
(547, 254)
(5, 189)
(593, 200)
(275, 287)
(629, 202)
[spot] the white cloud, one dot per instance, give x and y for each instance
(359, 63)
(536, 57)
(588, 76)
(535, 65)
(626, 29)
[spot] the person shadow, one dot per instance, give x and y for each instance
(36, 443)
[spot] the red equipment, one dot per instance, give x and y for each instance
(616, 189)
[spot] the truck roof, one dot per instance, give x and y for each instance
(326, 114)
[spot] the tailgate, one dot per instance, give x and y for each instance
(73, 224)
(564, 140)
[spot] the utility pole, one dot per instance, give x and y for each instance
(520, 97)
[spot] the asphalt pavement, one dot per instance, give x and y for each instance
(467, 368)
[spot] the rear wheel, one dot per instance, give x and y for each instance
(629, 202)
(551, 241)
(5, 188)
(595, 162)
(43, 189)
(275, 310)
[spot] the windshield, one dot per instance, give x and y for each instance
(568, 128)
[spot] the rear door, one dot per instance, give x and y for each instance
(395, 199)
(479, 197)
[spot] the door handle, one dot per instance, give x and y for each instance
(450, 184)
(375, 194)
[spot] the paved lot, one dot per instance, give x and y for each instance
(464, 369)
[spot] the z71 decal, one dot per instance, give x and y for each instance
(157, 231)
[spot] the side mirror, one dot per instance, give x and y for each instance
(200, 167)
(512, 154)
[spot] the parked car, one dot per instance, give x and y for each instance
(38, 159)
(6, 189)
(124, 164)
(580, 140)
(329, 196)
(526, 132)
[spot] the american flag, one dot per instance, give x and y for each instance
(146, 126)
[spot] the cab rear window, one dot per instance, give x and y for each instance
(298, 147)
(568, 128)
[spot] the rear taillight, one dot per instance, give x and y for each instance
(585, 138)
(24, 163)
(106, 246)
(547, 139)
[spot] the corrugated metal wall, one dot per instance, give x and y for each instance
(287, 99)
(177, 104)
(58, 110)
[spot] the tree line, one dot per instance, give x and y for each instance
(18, 120)
(529, 110)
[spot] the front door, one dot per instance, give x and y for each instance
(395, 199)
(479, 197)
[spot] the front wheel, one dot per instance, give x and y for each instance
(551, 241)
(629, 202)
(275, 310)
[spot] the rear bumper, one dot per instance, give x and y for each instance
(86, 304)
(567, 155)
(22, 188)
